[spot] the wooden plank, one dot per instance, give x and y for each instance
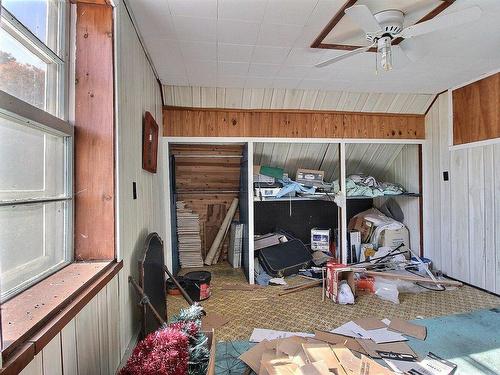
(94, 224)
(476, 113)
(87, 339)
(51, 357)
(68, 349)
(218, 122)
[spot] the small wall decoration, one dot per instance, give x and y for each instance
(149, 143)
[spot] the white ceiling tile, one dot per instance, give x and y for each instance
(154, 23)
(199, 50)
(270, 55)
(201, 67)
(233, 68)
(234, 52)
(193, 8)
(294, 71)
(202, 80)
(264, 70)
(195, 29)
(304, 56)
(237, 32)
(286, 83)
(258, 82)
(243, 10)
(313, 84)
(289, 12)
(324, 11)
(278, 35)
(230, 81)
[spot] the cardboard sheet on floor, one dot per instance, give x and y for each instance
(323, 352)
(316, 368)
(286, 369)
(335, 339)
(350, 363)
(370, 323)
(213, 321)
(370, 367)
(371, 347)
(253, 356)
(408, 328)
(291, 345)
(270, 357)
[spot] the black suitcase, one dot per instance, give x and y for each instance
(284, 259)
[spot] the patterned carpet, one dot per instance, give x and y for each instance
(303, 311)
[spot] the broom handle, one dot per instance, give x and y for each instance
(145, 298)
(181, 289)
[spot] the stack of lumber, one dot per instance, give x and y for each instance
(188, 236)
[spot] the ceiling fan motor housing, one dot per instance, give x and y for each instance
(391, 22)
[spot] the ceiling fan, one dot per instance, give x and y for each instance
(385, 26)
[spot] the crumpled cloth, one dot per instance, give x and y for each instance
(290, 186)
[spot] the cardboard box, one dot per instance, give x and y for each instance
(394, 237)
(365, 227)
(335, 273)
(212, 344)
(310, 177)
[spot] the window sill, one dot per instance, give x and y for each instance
(31, 319)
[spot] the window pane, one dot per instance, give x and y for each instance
(32, 243)
(32, 163)
(22, 73)
(38, 16)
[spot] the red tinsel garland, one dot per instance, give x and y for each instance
(164, 352)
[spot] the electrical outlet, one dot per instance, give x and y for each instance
(446, 176)
(134, 190)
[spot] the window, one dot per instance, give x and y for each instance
(35, 145)
(32, 52)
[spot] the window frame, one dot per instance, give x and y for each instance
(17, 30)
(53, 120)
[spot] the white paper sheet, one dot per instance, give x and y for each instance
(379, 336)
(260, 334)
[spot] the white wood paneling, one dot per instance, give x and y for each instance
(462, 215)
(137, 91)
(68, 349)
(51, 357)
(35, 367)
(249, 98)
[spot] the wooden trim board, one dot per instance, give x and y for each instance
(219, 122)
(94, 186)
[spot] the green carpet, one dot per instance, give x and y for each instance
(470, 340)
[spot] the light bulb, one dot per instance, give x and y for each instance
(385, 50)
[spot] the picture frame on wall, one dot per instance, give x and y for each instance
(149, 143)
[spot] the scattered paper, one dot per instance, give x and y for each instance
(430, 365)
(382, 335)
(370, 323)
(351, 329)
(278, 281)
(260, 334)
(323, 352)
(372, 348)
(335, 339)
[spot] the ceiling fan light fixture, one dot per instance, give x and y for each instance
(385, 49)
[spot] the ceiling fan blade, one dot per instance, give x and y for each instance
(442, 22)
(363, 16)
(344, 56)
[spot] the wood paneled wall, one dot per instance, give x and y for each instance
(462, 215)
(476, 111)
(94, 134)
(196, 122)
(207, 175)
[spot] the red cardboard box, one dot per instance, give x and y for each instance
(335, 273)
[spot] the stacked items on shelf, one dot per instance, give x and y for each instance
(366, 346)
(188, 236)
(235, 245)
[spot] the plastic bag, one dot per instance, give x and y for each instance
(387, 291)
(345, 296)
